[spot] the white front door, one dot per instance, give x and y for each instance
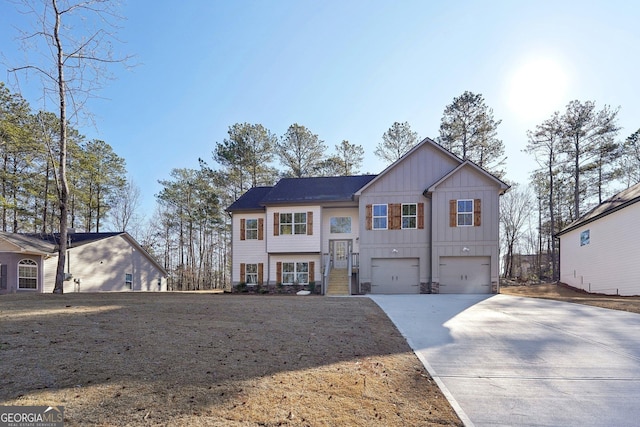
(340, 254)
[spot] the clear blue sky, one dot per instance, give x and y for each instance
(348, 70)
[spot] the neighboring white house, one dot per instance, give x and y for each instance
(600, 251)
(96, 262)
(426, 224)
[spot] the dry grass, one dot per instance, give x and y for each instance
(216, 360)
(564, 293)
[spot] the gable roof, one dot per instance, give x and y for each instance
(408, 154)
(468, 163)
(28, 244)
(301, 190)
(74, 239)
(47, 244)
(462, 163)
(620, 201)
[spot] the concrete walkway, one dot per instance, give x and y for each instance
(511, 361)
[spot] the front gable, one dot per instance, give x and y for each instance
(414, 172)
(468, 175)
(6, 246)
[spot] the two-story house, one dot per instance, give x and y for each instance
(427, 224)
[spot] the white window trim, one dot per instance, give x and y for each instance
(247, 229)
(295, 273)
(414, 216)
(254, 274)
(293, 223)
(32, 265)
(458, 213)
(374, 216)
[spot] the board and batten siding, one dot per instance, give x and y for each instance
(291, 243)
(477, 240)
(414, 173)
(402, 243)
(608, 264)
(404, 183)
(247, 251)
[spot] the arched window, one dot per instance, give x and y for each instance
(27, 274)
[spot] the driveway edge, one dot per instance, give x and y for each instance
(452, 401)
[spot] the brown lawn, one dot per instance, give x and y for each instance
(196, 359)
(564, 293)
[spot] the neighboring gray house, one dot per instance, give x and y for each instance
(599, 252)
(96, 262)
(426, 224)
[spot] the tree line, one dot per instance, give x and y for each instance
(580, 162)
(29, 185)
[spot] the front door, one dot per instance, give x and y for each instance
(340, 254)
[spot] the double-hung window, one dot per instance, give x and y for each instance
(251, 229)
(465, 213)
(409, 215)
(379, 217)
(251, 274)
(293, 223)
(295, 272)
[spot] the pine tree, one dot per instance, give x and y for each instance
(469, 130)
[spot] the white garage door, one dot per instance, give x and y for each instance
(465, 275)
(395, 276)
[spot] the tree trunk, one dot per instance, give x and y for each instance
(552, 218)
(576, 190)
(63, 191)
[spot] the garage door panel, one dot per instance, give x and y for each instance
(465, 275)
(395, 276)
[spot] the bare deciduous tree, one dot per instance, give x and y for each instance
(515, 208)
(73, 40)
(124, 209)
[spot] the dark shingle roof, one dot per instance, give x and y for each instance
(621, 200)
(301, 190)
(48, 243)
(250, 201)
(74, 239)
(320, 189)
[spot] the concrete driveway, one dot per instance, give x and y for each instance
(511, 361)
